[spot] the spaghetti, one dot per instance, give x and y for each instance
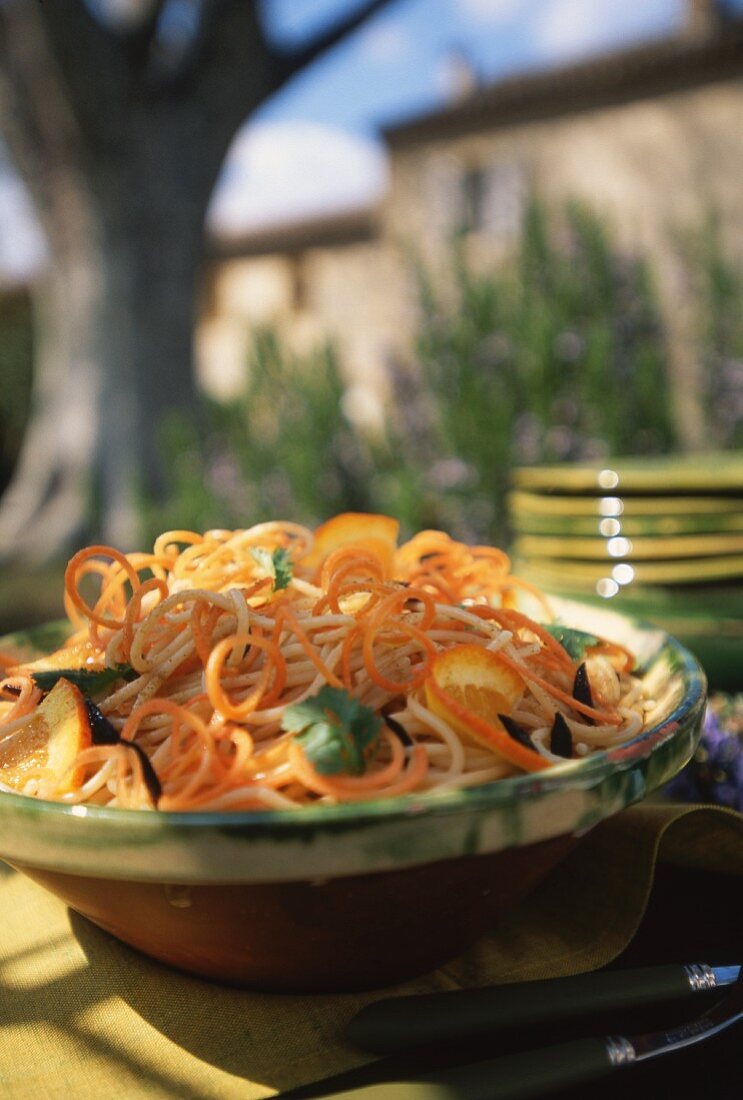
(273, 668)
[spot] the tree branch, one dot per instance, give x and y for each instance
(91, 63)
(215, 20)
(287, 65)
(231, 73)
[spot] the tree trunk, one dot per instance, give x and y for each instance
(46, 503)
(120, 137)
(115, 327)
(114, 358)
(146, 358)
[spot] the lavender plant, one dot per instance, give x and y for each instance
(715, 773)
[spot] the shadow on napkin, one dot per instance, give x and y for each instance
(83, 1015)
(587, 912)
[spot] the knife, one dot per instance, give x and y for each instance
(537, 1072)
(397, 1023)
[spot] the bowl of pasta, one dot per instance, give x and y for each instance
(322, 760)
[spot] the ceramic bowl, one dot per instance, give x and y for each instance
(706, 618)
(351, 896)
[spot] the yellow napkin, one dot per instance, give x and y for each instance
(83, 1016)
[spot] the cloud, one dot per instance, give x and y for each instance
(386, 43)
(571, 28)
(287, 171)
(566, 27)
(490, 13)
(23, 252)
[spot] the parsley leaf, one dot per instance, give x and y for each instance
(282, 567)
(334, 730)
(90, 681)
(574, 642)
(277, 565)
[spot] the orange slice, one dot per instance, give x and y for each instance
(50, 741)
(374, 533)
(469, 686)
(79, 655)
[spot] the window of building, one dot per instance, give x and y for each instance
(474, 198)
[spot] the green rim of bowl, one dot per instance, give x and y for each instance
(354, 838)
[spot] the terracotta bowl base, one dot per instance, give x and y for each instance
(331, 935)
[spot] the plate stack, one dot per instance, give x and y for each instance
(663, 538)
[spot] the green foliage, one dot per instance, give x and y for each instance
(284, 449)
(16, 357)
(557, 356)
(718, 288)
(294, 446)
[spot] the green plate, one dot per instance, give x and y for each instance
(613, 505)
(702, 473)
(555, 574)
(619, 547)
(631, 526)
(712, 603)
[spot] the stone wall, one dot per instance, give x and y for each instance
(652, 168)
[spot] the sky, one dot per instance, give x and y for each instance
(315, 147)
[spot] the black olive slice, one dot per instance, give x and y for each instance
(399, 730)
(101, 730)
(561, 739)
(517, 732)
(103, 733)
(151, 782)
(582, 688)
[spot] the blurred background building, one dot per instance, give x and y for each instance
(529, 208)
(650, 136)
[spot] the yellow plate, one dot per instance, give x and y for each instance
(605, 527)
(704, 473)
(619, 547)
(611, 504)
(553, 574)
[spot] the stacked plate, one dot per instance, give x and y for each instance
(663, 538)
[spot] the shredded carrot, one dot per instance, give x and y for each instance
(218, 652)
(274, 663)
(286, 616)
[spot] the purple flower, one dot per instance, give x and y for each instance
(715, 772)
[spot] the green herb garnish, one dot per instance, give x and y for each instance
(575, 642)
(334, 729)
(91, 681)
(277, 564)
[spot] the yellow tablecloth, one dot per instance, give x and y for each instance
(84, 1016)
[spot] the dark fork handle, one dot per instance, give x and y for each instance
(514, 1077)
(397, 1023)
